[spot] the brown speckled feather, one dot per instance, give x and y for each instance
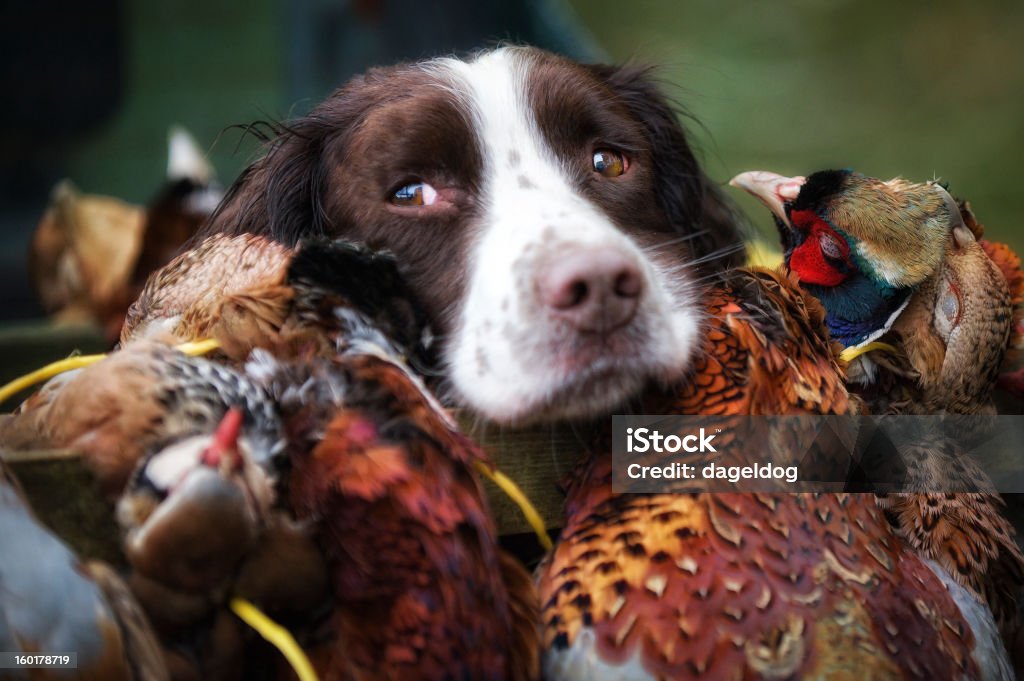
(722, 586)
(181, 301)
(1009, 264)
(968, 535)
(956, 373)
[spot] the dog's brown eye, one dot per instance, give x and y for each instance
(609, 163)
(414, 194)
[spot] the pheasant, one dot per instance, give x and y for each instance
(193, 453)
(956, 331)
(182, 300)
(846, 238)
(729, 585)
(281, 297)
(421, 590)
(53, 602)
(955, 297)
(377, 472)
(845, 235)
(82, 254)
(206, 520)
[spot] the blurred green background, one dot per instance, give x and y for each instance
(919, 89)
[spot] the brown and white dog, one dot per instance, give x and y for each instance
(551, 216)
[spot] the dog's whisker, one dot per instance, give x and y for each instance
(655, 248)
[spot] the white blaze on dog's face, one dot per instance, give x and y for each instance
(564, 313)
(549, 215)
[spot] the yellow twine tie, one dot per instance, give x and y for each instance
(513, 492)
(850, 354)
(277, 636)
(199, 347)
(193, 348)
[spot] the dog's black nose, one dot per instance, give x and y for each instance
(596, 290)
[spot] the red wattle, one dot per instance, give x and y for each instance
(803, 220)
(225, 439)
(810, 265)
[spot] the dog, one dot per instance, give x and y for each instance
(551, 216)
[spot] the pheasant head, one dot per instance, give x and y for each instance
(956, 330)
(858, 244)
(195, 507)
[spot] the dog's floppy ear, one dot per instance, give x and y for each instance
(694, 204)
(280, 194)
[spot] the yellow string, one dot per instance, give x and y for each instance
(850, 354)
(48, 371)
(199, 347)
(193, 348)
(511, 489)
(277, 635)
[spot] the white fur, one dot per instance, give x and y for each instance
(510, 358)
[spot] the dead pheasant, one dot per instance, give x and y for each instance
(82, 254)
(898, 261)
(183, 300)
(53, 602)
(420, 589)
(954, 335)
(716, 586)
(206, 520)
(956, 330)
(193, 452)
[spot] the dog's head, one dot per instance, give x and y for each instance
(551, 216)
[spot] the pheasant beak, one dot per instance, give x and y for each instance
(772, 189)
(223, 449)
